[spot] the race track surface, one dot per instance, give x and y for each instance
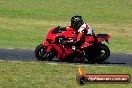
(28, 55)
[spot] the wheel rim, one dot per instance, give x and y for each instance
(41, 53)
(102, 54)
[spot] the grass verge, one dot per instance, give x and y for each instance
(44, 75)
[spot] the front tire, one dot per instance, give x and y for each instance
(40, 52)
(42, 55)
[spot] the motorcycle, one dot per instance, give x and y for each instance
(91, 50)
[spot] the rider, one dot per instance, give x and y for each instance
(82, 29)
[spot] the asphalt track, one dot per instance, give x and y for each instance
(25, 55)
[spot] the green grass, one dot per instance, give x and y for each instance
(43, 75)
(24, 24)
(93, 10)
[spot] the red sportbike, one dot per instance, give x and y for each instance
(91, 49)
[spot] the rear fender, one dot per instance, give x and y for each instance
(103, 37)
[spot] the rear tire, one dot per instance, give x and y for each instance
(103, 54)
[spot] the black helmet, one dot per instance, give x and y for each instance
(76, 22)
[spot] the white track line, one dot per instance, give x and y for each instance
(129, 53)
(10, 48)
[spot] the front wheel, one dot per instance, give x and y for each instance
(40, 52)
(41, 55)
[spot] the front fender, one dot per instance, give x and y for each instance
(45, 43)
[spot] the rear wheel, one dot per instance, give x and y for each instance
(104, 54)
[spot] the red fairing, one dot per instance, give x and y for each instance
(85, 45)
(70, 33)
(68, 50)
(69, 29)
(59, 51)
(62, 51)
(89, 40)
(50, 36)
